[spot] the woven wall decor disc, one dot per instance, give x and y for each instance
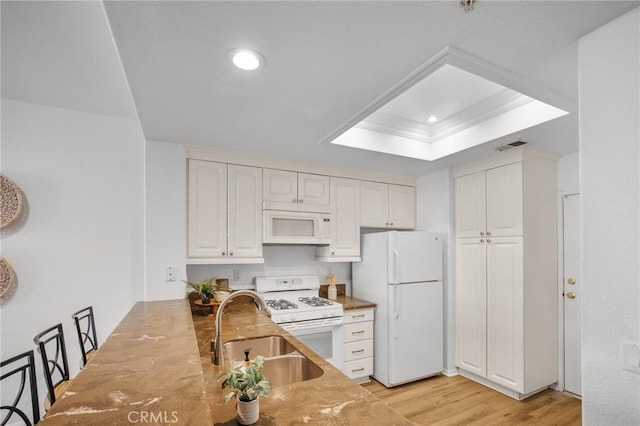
(7, 279)
(10, 201)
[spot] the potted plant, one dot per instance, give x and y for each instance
(205, 289)
(247, 384)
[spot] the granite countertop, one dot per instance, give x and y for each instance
(148, 368)
(347, 302)
(155, 368)
(332, 399)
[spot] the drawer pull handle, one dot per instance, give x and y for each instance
(357, 316)
(357, 333)
(359, 351)
(357, 370)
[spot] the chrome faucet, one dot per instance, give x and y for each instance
(216, 343)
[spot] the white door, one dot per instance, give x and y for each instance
(471, 305)
(245, 211)
(505, 312)
(207, 209)
(572, 295)
(415, 331)
(470, 206)
(402, 207)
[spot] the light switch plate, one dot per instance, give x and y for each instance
(631, 356)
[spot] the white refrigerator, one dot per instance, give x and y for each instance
(401, 272)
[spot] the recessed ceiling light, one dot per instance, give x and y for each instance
(247, 59)
(432, 119)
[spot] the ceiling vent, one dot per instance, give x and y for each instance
(511, 145)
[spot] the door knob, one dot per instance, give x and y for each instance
(571, 295)
(571, 281)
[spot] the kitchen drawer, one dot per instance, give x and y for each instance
(358, 350)
(358, 331)
(359, 368)
(357, 315)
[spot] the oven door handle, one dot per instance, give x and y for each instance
(314, 327)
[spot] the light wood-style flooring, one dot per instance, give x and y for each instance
(443, 400)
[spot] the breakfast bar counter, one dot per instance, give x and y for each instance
(155, 368)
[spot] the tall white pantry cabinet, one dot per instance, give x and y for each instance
(506, 261)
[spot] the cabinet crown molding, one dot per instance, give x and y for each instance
(197, 152)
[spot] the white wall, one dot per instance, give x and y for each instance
(569, 174)
(609, 66)
(81, 242)
(434, 209)
(166, 219)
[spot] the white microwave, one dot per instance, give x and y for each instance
(295, 227)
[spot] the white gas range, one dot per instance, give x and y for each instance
(294, 304)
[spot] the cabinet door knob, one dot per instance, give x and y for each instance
(387, 223)
(482, 240)
(230, 253)
(571, 295)
(482, 234)
(488, 240)
(224, 253)
(300, 200)
(295, 200)
(391, 223)
(332, 253)
(488, 233)
(571, 281)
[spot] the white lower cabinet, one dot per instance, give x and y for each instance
(358, 344)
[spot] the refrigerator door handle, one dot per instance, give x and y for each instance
(395, 266)
(396, 314)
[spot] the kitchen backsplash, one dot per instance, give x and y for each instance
(278, 260)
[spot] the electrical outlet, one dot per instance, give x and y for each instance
(236, 274)
(170, 273)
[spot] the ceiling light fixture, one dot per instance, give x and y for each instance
(467, 5)
(432, 119)
(247, 59)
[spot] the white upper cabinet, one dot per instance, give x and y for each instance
(345, 222)
(207, 209)
(504, 200)
(489, 203)
(245, 212)
(283, 186)
(471, 210)
(387, 206)
(225, 213)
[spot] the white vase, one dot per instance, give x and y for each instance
(248, 412)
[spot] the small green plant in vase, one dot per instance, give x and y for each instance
(205, 289)
(247, 384)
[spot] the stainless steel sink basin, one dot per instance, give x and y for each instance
(288, 369)
(268, 346)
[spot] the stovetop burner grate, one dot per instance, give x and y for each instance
(315, 301)
(281, 304)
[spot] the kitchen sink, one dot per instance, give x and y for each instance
(284, 370)
(268, 346)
